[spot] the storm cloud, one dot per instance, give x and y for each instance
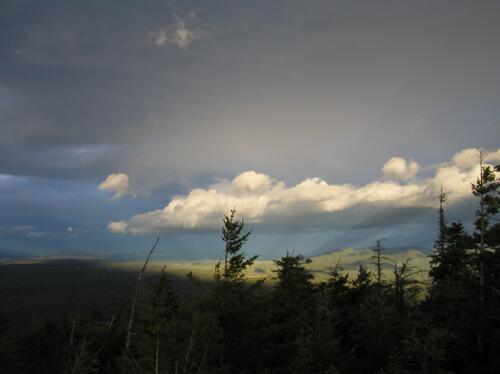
(176, 94)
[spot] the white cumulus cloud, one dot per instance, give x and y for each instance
(470, 157)
(467, 158)
(493, 157)
(251, 181)
(117, 183)
(119, 227)
(260, 198)
(398, 168)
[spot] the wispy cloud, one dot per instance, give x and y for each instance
(258, 197)
(181, 33)
(25, 231)
(74, 232)
(33, 232)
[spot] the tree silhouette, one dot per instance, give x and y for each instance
(233, 236)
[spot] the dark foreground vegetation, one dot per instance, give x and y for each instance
(367, 324)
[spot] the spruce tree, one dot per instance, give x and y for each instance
(292, 303)
(294, 281)
(234, 237)
(486, 189)
(234, 297)
(440, 242)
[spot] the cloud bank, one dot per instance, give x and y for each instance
(20, 231)
(259, 197)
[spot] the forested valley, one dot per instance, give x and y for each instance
(368, 323)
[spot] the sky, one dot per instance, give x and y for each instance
(327, 124)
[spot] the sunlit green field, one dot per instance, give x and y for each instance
(347, 259)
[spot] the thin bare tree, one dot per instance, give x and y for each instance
(378, 257)
(136, 293)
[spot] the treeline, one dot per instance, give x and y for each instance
(363, 324)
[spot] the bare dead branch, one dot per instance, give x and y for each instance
(136, 293)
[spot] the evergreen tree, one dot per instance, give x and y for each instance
(161, 329)
(294, 281)
(486, 189)
(234, 297)
(164, 302)
(363, 282)
(451, 294)
(317, 343)
(452, 261)
(451, 271)
(337, 288)
(292, 301)
(462, 296)
(235, 261)
(441, 240)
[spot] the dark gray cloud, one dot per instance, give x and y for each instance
(269, 85)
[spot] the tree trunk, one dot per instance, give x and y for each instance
(136, 293)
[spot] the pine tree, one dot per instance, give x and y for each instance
(462, 294)
(235, 261)
(317, 343)
(486, 189)
(374, 322)
(441, 240)
(164, 302)
(292, 303)
(294, 281)
(453, 259)
(337, 287)
(233, 296)
(450, 272)
(363, 280)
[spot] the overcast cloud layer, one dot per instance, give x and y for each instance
(153, 101)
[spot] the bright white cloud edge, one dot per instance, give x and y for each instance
(258, 196)
(397, 168)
